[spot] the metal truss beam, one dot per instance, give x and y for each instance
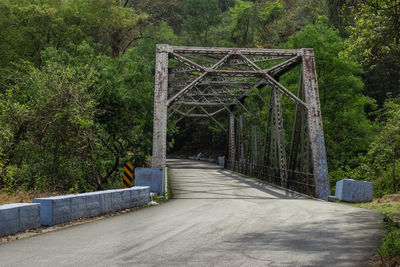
(188, 62)
(233, 62)
(188, 114)
(232, 148)
(211, 116)
(283, 67)
(196, 81)
(208, 77)
(314, 122)
(215, 83)
(244, 51)
(274, 83)
(205, 104)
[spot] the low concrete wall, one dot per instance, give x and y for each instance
(62, 209)
(354, 191)
(150, 177)
(221, 161)
(18, 217)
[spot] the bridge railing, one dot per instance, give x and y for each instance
(298, 181)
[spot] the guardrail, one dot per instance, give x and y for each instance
(297, 181)
(18, 217)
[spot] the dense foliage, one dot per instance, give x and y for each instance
(77, 79)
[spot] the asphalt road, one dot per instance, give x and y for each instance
(215, 219)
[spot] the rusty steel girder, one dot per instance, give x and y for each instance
(205, 81)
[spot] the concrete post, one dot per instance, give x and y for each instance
(314, 121)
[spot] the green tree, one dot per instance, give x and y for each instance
(269, 23)
(123, 128)
(346, 127)
(26, 28)
(271, 11)
(374, 31)
(245, 22)
(48, 114)
(161, 11)
(199, 17)
(380, 165)
(384, 151)
(74, 121)
(29, 27)
(374, 36)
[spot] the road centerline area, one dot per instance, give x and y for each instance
(215, 218)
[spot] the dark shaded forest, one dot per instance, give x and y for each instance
(77, 81)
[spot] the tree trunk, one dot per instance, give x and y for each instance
(113, 169)
(116, 40)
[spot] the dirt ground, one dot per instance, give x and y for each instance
(23, 196)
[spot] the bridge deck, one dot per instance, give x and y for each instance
(216, 218)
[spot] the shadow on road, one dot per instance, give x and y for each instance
(222, 185)
(330, 244)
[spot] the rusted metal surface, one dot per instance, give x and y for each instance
(160, 108)
(280, 140)
(244, 51)
(197, 80)
(232, 148)
(283, 67)
(314, 120)
(203, 82)
(211, 117)
(241, 138)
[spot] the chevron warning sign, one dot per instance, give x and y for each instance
(128, 175)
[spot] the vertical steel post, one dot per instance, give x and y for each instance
(273, 145)
(241, 138)
(253, 145)
(232, 150)
(314, 122)
(296, 133)
(160, 107)
(280, 137)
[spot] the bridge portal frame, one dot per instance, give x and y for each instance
(308, 102)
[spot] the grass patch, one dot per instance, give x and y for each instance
(388, 205)
(388, 253)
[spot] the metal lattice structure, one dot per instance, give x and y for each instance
(203, 82)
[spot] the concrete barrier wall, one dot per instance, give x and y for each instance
(354, 191)
(221, 161)
(62, 209)
(150, 177)
(18, 217)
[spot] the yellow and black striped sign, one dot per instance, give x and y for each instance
(128, 175)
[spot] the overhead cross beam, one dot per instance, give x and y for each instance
(196, 81)
(224, 50)
(255, 72)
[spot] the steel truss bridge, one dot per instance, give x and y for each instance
(207, 81)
